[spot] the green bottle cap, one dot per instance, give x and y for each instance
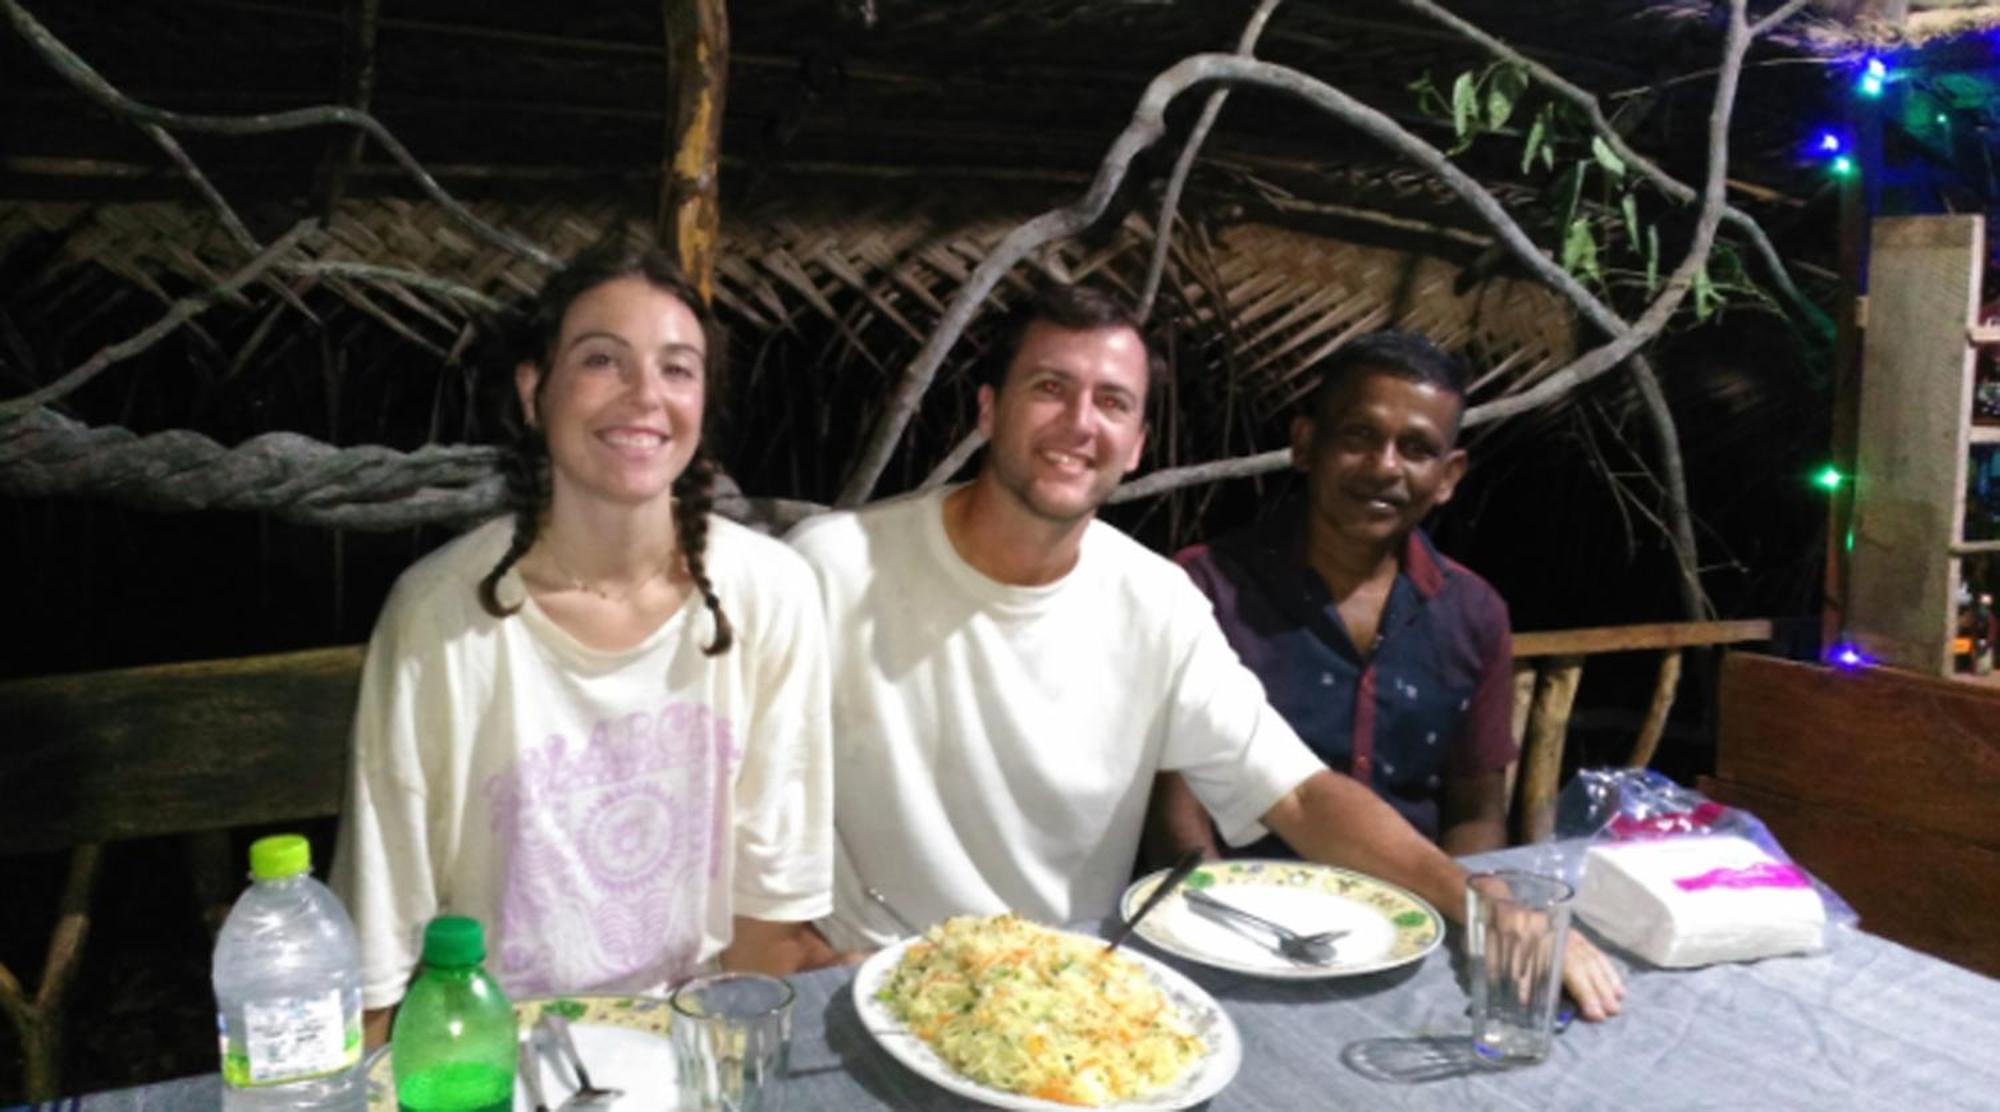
(280, 856)
(454, 940)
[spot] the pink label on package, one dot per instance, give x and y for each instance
(1766, 875)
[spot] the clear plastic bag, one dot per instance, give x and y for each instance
(1636, 804)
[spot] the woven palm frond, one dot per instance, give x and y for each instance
(879, 276)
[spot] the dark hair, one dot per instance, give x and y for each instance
(525, 461)
(1404, 355)
(1077, 308)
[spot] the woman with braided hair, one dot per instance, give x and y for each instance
(598, 725)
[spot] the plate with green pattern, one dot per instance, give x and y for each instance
(1387, 926)
(622, 1038)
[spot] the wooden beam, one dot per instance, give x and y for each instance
(690, 207)
(1664, 635)
(175, 748)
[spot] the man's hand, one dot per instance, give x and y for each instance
(1590, 978)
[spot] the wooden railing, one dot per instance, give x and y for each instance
(1548, 668)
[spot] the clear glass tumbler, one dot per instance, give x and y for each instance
(1516, 925)
(732, 1038)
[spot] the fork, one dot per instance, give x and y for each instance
(1306, 949)
(531, 1073)
(586, 1094)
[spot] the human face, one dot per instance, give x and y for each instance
(620, 403)
(1378, 456)
(1068, 421)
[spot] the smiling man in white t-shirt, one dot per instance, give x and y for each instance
(1009, 674)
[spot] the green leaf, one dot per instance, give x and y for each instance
(1579, 253)
(1631, 207)
(1548, 156)
(1568, 190)
(1652, 258)
(1502, 94)
(1606, 157)
(1429, 101)
(1464, 101)
(1538, 132)
(1704, 293)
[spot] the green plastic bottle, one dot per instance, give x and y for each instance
(452, 1048)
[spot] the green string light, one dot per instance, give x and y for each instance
(1829, 478)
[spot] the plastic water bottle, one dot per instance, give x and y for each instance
(288, 990)
(452, 1048)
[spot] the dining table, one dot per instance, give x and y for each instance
(1865, 1024)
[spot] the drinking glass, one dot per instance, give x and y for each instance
(732, 1037)
(1516, 924)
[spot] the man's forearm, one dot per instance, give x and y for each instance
(1333, 819)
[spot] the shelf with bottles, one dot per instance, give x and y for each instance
(1977, 627)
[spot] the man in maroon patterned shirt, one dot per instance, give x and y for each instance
(1392, 662)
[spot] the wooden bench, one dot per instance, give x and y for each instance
(179, 749)
(1548, 669)
(1885, 784)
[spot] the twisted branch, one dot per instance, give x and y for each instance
(45, 454)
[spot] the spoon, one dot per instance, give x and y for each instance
(1306, 949)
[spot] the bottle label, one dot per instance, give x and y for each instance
(292, 1038)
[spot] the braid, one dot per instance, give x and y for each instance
(694, 496)
(525, 464)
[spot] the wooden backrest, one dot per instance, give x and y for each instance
(1885, 784)
(174, 748)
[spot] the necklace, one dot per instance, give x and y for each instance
(577, 583)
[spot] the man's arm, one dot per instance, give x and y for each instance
(1475, 813)
(1175, 823)
(1333, 819)
(760, 946)
(375, 1023)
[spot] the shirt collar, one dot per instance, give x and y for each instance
(1282, 542)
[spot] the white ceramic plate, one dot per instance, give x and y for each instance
(1204, 1078)
(1387, 926)
(623, 1039)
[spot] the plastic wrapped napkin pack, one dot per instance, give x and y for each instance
(1699, 899)
(1730, 894)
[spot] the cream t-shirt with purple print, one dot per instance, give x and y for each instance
(605, 815)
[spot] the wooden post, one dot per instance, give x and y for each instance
(1669, 681)
(1542, 751)
(39, 1022)
(690, 208)
(1524, 700)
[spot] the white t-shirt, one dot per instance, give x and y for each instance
(997, 744)
(603, 814)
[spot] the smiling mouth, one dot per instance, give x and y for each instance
(1066, 461)
(634, 440)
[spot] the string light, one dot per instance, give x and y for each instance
(1829, 478)
(1874, 75)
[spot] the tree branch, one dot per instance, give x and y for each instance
(178, 314)
(1672, 187)
(93, 85)
(1170, 202)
